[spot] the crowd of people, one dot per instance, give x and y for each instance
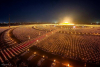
(78, 47)
(85, 48)
(9, 53)
(29, 32)
(82, 30)
(8, 39)
(3, 28)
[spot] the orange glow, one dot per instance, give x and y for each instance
(66, 23)
(54, 60)
(68, 65)
(34, 52)
(28, 49)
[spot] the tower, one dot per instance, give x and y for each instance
(9, 20)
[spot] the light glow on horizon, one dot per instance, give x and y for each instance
(66, 23)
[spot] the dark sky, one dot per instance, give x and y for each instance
(80, 11)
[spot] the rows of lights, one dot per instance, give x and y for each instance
(79, 33)
(16, 50)
(8, 39)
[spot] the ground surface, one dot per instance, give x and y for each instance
(65, 48)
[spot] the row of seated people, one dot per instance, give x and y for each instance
(85, 48)
(3, 29)
(8, 39)
(78, 33)
(26, 33)
(9, 53)
(83, 30)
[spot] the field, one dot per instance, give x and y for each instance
(3, 28)
(78, 47)
(58, 45)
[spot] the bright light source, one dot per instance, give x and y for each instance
(66, 22)
(68, 65)
(28, 37)
(43, 56)
(34, 52)
(54, 60)
(37, 40)
(28, 49)
(74, 26)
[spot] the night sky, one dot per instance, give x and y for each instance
(79, 11)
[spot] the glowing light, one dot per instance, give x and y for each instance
(43, 56)
(68, 65)
(54, 60)
(28, 49)
(37, 40)
(74, 26)
(29, 37)
(34, 52)
(66, 22)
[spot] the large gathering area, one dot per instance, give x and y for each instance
(50, 45)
